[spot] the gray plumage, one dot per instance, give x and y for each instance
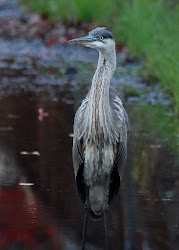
(100, 130)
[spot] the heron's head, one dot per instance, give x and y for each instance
(99, 38)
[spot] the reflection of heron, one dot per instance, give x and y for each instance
(100, 133)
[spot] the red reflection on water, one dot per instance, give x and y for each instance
(22, 220)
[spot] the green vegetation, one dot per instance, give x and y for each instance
(77, 11)
(148, 27)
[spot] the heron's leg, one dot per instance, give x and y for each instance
(84, 228)
(105, 211)
(106, 228)
(85, 219)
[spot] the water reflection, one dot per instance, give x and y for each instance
(24, 223)
(49, 214)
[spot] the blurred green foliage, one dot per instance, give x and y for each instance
(148, 27)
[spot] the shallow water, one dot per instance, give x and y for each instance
(40, 90)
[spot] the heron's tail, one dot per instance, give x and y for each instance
(96, 200)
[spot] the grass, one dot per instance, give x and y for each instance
(78, 10)
(148, 27)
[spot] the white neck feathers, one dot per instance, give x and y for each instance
(99, 111)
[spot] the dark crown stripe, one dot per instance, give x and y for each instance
(101, 32)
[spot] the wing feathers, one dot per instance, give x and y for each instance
(121, 124)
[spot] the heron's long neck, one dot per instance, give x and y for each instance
(104, 72)
(99, 110)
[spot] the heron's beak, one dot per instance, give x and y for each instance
(86, 40)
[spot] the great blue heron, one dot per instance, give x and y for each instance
(100, 134)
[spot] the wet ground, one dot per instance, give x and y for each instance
(41, 85)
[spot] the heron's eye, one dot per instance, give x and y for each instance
(101, 38)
